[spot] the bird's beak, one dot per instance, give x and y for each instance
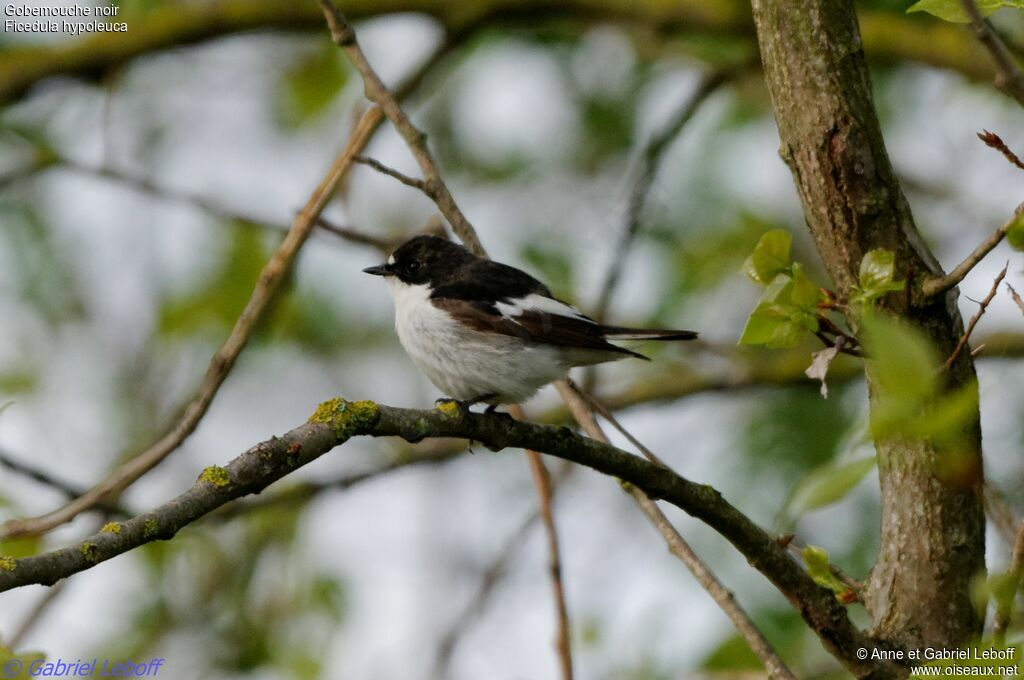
(379, 270)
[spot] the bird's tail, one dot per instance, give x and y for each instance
(623, 333)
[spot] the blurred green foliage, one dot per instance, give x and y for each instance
(312, 82)
(246, 590)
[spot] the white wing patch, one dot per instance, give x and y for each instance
(541, 304)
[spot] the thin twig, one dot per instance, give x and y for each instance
(41, 476)
(1016, 298)
(975, 319)
(1004, 609)
(202, 203)
(940, 284)
(345, 37)
(1009, 78)
(599, 408)
(996, 142)
(69, 491)
(542, 482)
(32, 618)
(678, 546)
(650, 163)
(335, 422)
(355, 235)
(267, 286)
(434, 187)
(489, 580)
(391, 172)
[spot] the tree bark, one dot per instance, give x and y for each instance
(933, 528)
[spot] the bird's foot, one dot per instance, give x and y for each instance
(452, 407)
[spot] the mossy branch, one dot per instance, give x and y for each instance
(336, 421)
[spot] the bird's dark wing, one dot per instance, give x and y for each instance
(531, 324)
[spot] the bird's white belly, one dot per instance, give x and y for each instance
(467, 364)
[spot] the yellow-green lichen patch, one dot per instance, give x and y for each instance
(150, 528)
(347, 418)
(111, 528)
(216, 475)
(90, 551)
(324, 413)
(450, 408)
(8, 563)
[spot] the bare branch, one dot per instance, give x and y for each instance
(202, 203)
(488, 582)
(32, 618)
(391, 172)
(940, 284)
(345, 37)
(545, 492)
(1009, 79)
(996, 142)
(577, 401)
(1016, 298)
(336, 421)
(542, 480)
(491, 577)
(983, 305)
(650, 164)
(267, 286)
(13, 464)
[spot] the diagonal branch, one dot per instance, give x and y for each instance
(391, 172)
(337, 421)
(994, 141)
(580, 404)
(940, 284)
(982, 306)
(1009, 79)
(1016, 297)
(650, 163)
(267, 286)
(345, 37)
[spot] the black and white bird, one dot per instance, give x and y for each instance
(483, 331)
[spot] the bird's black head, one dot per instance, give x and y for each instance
(424, 259)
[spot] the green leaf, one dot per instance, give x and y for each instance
(21, 546)
(770, 257)
(876, 276)
(819, 569)
(806, 295)
(1015, 234)
(827, 485)
(904, 360)
(778, 321)
(953, 10)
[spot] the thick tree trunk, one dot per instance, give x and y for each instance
(933, 529)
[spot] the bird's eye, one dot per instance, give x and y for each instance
(413, 266)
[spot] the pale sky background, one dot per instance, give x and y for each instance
(409, 546)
